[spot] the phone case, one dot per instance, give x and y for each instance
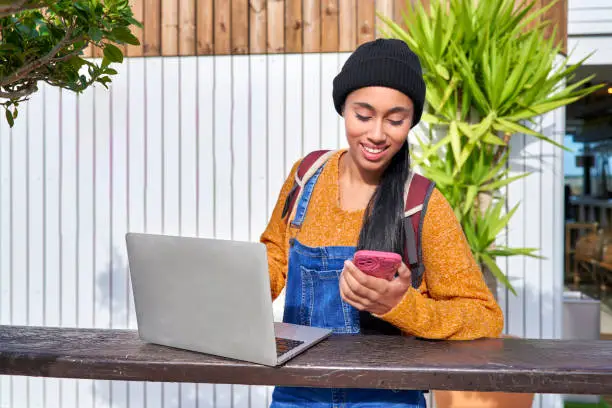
(378, 263)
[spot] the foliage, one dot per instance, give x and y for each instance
(490, 70)
(43, 40)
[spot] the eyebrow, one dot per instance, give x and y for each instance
(392, 110)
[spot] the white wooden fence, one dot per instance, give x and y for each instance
(195, 146)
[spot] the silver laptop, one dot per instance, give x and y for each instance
(211, 296)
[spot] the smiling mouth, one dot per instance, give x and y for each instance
(374, 150)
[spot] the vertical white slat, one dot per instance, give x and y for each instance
(206, 147)
(516, 231)
(224, 170)
(136, 158)
(242, 141)
(259, 141)
(5, 245)
(36, 139)
(311, 102)
(154, 176)
(102, 221)
(171, 165)
(342, 142)
(101, 207)
(68, 229)
(275, 128)
(223, 159)
(532, 199)
(188, 146)
(85, 231)
(118, 185)
(205, 218)
(294, 109)
(188, 175)
(278, 117)
(329, 116)
(20, 239)
(85, 186)
(52, 176)
(558, 230)
(52, 246)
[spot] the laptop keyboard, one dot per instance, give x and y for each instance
(285, 345)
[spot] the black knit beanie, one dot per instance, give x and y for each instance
(382, 62)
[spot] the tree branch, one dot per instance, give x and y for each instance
(26, 69)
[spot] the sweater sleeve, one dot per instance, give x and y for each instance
(457, 304)
(275, 239)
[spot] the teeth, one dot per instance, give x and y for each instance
(373, 151)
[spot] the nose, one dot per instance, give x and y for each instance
(377, 133)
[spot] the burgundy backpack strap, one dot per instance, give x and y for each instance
(311, 162)
(418, 191)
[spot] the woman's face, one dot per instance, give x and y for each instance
(377, 121)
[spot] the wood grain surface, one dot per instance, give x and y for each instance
(513, 365)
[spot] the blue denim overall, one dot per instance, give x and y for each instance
(313, 298)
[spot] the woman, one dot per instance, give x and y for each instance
(356, 201)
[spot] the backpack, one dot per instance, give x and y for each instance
(417, 193)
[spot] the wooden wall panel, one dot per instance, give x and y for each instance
(294, 26)
(312, 25)
(223, 27)
(240, 27)
(222, 24)
(329, 25)
(365, 21)
(348, 25)
(138, 10)
(258, 27)
(170, 29)
(205, 27)
(276, 26)
(187, 17)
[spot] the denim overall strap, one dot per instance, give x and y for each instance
(302, 205)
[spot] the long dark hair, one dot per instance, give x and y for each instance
(383, 217)
(382, 226)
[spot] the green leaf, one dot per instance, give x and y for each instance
(503, 182)
(9, 117)
(455, 139)
(124, 34)
(507, 125)
(497, 272)
(95, 34)
(112, 53)
(472, 191)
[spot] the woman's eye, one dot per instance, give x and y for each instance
(362, 118)
(396, 122)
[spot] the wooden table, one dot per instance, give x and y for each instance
(512, 365)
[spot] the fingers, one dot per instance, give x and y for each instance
(370, 282)
(404, 273)
(349, 296)
(354, 288)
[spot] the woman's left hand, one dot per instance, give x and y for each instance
(368, 293)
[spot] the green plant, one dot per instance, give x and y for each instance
(43, 40)
(488, 78)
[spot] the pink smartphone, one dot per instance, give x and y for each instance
(378, 263)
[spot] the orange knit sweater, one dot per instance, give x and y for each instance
(453, 301)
